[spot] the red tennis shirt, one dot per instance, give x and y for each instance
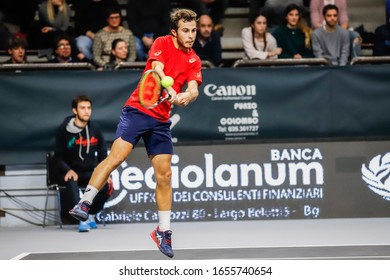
(181, 66)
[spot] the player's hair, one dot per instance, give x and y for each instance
(182, 14)
(326, 8)
(80, 98)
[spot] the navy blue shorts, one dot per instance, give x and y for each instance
(134, 124)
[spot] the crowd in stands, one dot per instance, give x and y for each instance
(94, 31)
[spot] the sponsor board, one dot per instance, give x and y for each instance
(258, 182)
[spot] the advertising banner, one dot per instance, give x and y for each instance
(234, 104)
(259, 182)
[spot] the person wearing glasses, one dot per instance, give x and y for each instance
(64, 52)
(114, 29)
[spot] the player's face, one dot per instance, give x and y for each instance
(205, 26)
(260, 25)
(331, 18)
(292, 18)
(185, 34)
(83, 111)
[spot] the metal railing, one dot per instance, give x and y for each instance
(280, 62)
(370, 60)
(47, 66)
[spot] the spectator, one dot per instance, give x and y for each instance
(331, 41)
(54, 19)
(257, 42)
(63, 51)
(103, 39)
(119, 53)
(317, 21)
(90, 17)
(17, 51)
(207, 44)
(79, 147)
(382, 36)
(147, 20)
(289, 37)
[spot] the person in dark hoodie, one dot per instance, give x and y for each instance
(79, 147)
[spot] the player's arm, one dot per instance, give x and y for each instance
(189, 95)
(158, 66)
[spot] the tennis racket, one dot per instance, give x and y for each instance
(151, 92)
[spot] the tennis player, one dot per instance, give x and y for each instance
(170, 55)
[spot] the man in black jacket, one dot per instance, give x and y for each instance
(79, 148)
(208, 42)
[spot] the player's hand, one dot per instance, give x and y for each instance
(173, 94)
(71, 175)
(183, 99)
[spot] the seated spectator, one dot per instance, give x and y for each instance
(54, 19)
(382, 36)
(119, 53)
(79, 147)
(257, 42)
(289, 37)
(90, 17)
(103, 39)
(63, 51)
(317, 21)
(17, 51)
(208, 42)
(331, 41)
(147, 20)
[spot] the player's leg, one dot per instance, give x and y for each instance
(127, 135)
(159, 146)
(120, 150)
(162, 171)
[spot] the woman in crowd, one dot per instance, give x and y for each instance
(54, 20)
(257, 42)
(119, 53)
(290, 37)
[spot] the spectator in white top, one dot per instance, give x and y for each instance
(257, 42)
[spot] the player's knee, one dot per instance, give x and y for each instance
(114, 160)
(164, 178)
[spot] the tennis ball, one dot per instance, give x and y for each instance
(167, 81)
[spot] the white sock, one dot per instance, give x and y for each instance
(89, 194)
(164, 220)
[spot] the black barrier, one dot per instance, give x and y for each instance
(235, 104)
